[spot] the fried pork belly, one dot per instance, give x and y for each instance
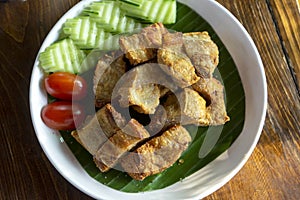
(136, 49)
(140, 90)
(186, 107)
(157, 154)
(178, 66)
(110, 120)
(76, 136)
(147, 98)
(154, 34)
(107, 73)
(164, 90)
(173, 41)
(175, 62)
(158, 121)
(99, 128)
(202, 51)
(213, 91)
(142, 47)
(119, 144)
(144, 99)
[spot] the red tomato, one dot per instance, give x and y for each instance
(66, 86)
(63, 115)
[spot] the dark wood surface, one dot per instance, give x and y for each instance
(273, 170)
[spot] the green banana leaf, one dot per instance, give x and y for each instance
(191, 160)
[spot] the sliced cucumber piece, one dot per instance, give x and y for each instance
(63, 56)
(133, 2)
(105, 13)
(106, 41)
(85, 33)
(108, 16)
(82, 31)
(151, 10)
(100, 12)
(111, 43)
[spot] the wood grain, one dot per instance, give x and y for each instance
(25, 171)
(287, 21)
(272, 171)
(11, 22)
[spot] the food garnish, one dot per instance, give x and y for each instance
(66, 86)
(62, 56)
(63, 115)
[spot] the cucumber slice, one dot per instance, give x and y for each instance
(151, 10)
(133, 2)
(105, 13)
(82, 31)
(108, 16)
(106, 41)
(111, 43)
(63, 56)
(127, 25)
(85, 33)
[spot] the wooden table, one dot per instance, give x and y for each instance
(273, 170)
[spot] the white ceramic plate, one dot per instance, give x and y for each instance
(212, 176)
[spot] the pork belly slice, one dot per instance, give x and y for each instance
(157, 154)
(158, 121)
(99, 128)
(154, 33)
(202, 51)
(142, 47)
(140, 89)
(178, 66)
(110, 120)
(76, 137)
(175, 62)
(213, 91)
(120, 143)
(186, 107)
(108, 71)
(136, 49)
(144, 98)
(163, 90)
(173, 41)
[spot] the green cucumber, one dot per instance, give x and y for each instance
(111, 43)
(63, 56)
(133, 2)
(108, 16)
(82, 31)
(127, 25)
(106, 41)
(86, 34)
(163, 11)
(105, 13)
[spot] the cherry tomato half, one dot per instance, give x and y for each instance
(63, 115)
(65, 86)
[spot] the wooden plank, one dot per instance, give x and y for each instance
(287, 17)
(11, 22)
(272, 171)
(25, 173)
